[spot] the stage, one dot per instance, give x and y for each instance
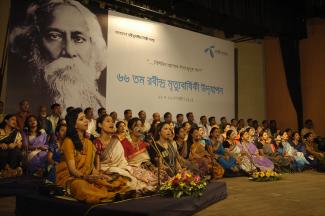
(30, 202)
(19, 185)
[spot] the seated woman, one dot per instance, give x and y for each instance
(77, 173)
(225, 130)
(216, 149)
(234, 150)
(184, 162)
(250, 150)
(121, 130)
(187, 127)
(204, 140)
(135, 150)
(253, 135)
(55, 153)
(206, 162)
(300, 146)
(180, 139)
(163, 153)
(110, 157)
(281, 164)
(316, 157)
(296, 142)
(300, 161)
(264, 144)
(35, 140)
(10, 148)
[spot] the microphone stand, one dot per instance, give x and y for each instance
(158, 185)
(26, 149)
(158, 161)
(160, 158)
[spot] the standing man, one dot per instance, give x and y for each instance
(114, 117)
(179, 120)
(204, 124)
(127, 116)
(212, 121)
(55, 116)
(145, 124)
(101, 111)
(190, 119)
(23, 114)
(45, 123)
(156, 117)
(89, 113)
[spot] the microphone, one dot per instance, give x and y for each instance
(142, 135)
(153, 143)
(145, 136)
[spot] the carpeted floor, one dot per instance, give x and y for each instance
(296, 194)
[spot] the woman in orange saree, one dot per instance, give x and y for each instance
(77, 172)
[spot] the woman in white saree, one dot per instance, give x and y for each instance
(110, 155)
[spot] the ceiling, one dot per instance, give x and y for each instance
(248, 18)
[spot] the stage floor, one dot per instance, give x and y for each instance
(35, 204)
(297, 194)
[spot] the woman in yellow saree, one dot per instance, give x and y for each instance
(206, 162)
(77, 173)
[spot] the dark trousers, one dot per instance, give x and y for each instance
(13, 157)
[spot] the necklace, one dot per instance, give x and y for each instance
(136, 144)
(244, 144)
(107, 147)
(168, 152)
(7, 131)
(84, 147)
(83, 151)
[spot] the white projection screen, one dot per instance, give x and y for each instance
(158, 68)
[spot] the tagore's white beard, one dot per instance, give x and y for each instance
(72, 83)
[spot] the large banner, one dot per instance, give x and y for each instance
(57, 54)
(63, 52)
(159, 68)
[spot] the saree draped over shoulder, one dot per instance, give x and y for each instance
(300, 160)
(79, 188)
(36, 157)
(261, 162)
(112, 160)
(206, 163)
(12, 157)
(138, 158)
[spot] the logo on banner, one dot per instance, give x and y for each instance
(212, 51)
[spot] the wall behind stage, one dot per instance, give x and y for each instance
(157, 67)
(312, 58)
(312, 55)
(278, 103)
(251, 81)
(4, 16)
(248, 88)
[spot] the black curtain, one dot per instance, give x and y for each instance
(291, 61)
